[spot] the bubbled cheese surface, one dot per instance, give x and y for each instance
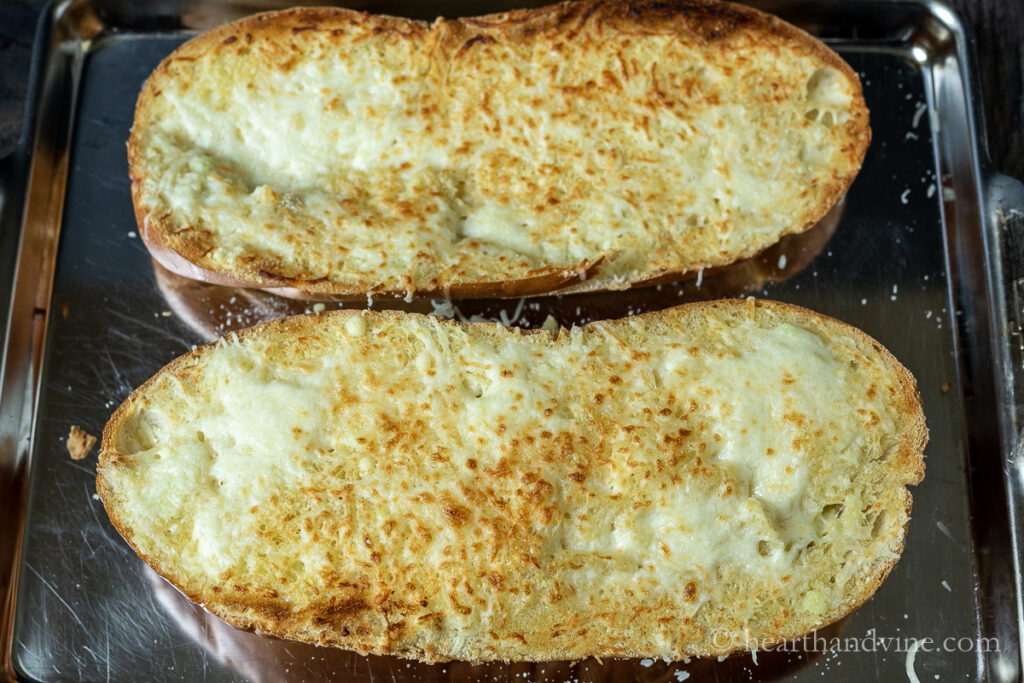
(396, 483)
(344, 152)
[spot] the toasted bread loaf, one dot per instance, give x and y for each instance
(330, 153)
(679, 483)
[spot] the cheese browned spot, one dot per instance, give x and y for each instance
(501, 155)
(662, 486)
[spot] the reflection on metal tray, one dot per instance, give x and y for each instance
(924, 257)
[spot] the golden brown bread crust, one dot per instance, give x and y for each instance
(363, 623)
(186, 249)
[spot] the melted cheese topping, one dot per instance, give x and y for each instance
(488, 482)
(422, 157)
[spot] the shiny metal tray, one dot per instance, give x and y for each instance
(926, 255)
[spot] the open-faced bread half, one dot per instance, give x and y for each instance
(599, 144)
(689, 482)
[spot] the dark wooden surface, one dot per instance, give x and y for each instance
(998, 27)
(997, 24)
(17, 28)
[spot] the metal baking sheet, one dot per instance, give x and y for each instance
(921, 255)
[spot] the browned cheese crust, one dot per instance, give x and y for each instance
(404, 538)
(589, 145)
